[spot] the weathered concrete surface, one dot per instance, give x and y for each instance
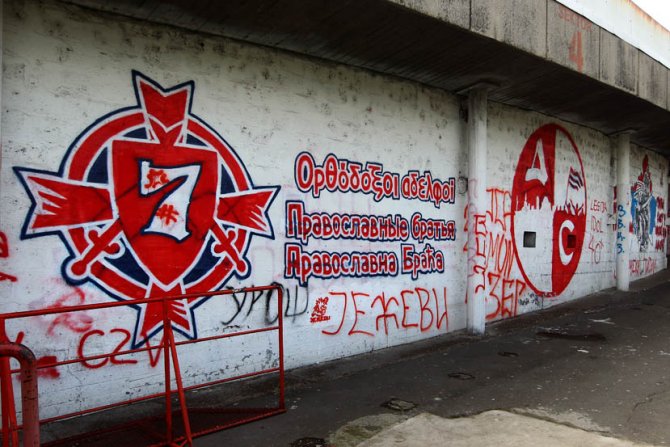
(619, 63)
(521, 23)
(541, 54)
(567, 29)
(452, 11)
(491, 428)
(653, 81)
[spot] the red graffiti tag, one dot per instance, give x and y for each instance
(319, 311)
(7, 277)
(4, 246)
(167, 213)
(494, 255)
(120, 344)
(43, 370)
(4, 253)
(113, 357)
(50, 372)
(79, 322)
(415, 309)
(156, 178)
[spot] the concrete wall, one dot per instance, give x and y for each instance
(628, 21)
(102, 142)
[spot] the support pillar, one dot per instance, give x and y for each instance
(623, 211)
(477, 153)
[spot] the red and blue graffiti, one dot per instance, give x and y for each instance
(151, 201)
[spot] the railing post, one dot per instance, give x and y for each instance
(29, 391)
(10, 436)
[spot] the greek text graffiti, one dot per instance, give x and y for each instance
(347, 176)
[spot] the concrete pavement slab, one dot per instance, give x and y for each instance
(491, 428)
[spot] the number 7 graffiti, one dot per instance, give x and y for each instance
(144, 185)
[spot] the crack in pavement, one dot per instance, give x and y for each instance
(647, 400)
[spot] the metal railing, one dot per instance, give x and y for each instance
(168, 345)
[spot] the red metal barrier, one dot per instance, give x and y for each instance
(29, 399)
(171, 365)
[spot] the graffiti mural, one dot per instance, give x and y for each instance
(493, 257)
(643, 207)
(549, 203)
(344, 176)
(151, 201)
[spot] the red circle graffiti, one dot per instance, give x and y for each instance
(88, 148)
(549, 210)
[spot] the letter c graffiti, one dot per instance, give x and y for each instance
(565, 258)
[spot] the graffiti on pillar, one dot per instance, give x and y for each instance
(661, 230)
(491, 261)
(598, 211)
(621, 230)
(151, 201)
(643, 207)
(549, 210)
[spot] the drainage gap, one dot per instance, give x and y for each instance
(309, 442)
(461, 376)
(572, 335)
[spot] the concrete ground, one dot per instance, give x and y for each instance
(600, 365)
(491, 428)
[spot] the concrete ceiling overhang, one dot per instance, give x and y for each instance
(523, 46)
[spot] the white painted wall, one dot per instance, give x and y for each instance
(65, 68)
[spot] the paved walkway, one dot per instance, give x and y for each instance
(596, 367)
(491, 428)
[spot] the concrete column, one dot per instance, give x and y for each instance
(477, 148)
(623, 211)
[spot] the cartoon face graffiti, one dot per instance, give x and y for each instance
(150, 201)
(549, 200)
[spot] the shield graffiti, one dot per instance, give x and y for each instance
(165, 205)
